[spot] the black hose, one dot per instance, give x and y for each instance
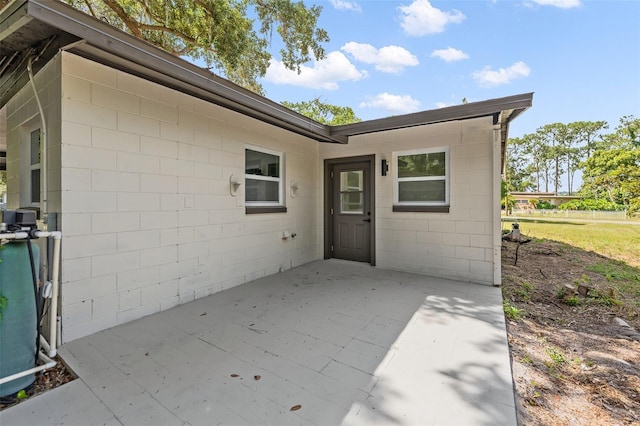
(37, 299)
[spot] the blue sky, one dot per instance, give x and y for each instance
(580, 57)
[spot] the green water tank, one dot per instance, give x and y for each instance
(18, 323)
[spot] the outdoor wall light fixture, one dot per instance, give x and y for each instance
(234, 184)
(385, 167)
(295, 187)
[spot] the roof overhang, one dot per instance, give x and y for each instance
(503, 110)
(41, 28)
(26, 24)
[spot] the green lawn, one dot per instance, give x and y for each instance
(620, 243)
(616, 241)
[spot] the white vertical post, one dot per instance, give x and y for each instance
(53, 316)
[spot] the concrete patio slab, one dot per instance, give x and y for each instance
(348, 343)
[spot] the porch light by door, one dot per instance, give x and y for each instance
(384, 167)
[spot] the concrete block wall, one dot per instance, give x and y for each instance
(147, 216)
(456, 245)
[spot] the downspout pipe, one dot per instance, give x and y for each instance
(496, 192)
(43, 145)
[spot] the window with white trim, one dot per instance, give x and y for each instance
(34, 167)
(263, 179)
(422, 179)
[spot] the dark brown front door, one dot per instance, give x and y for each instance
(350, 210)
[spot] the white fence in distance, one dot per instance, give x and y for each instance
(571, 214)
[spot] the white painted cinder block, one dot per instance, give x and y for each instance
(110, 97)
(111, 181)
(158, 256)
(159, 163)
(135, 123)
(137, 163)
(114, 263)
(102, 223)
(89, 245)
(137, 278)
(88, 289)
(446, 237)
(82, 157)
(115, 140)
(105, 308)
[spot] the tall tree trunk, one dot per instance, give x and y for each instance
(569, 183)
(556, 177)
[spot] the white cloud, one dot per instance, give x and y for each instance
(420, 18)
(395, 104)
(391, 59)
(449, 55)
(346, 5)
(562, 4)
(490, 78)
(324, 74)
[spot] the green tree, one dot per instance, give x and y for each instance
(222, 33)
(613, 171)
(555, 138)
(581, 141)
(518, 173)
(540, 154)
(587, 132)
(324, 113)
(630, 126)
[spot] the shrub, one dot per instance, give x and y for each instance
(545, 205)
(590, 204)
(512, 312)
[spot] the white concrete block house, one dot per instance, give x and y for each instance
(170, 184)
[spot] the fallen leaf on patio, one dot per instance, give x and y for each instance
(257, 377)
(203, 314)
(296, 407)
(234, 375)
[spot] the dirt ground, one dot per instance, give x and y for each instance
(574, 346)
(44, 381)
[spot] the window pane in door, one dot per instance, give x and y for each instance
(351, 203)
(35, 185)
(351, 192)
(351, 181)
(35, 147)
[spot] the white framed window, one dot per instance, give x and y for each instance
(422, 178)
(34, 166)
(263, 178)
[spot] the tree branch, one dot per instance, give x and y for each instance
(122, 14)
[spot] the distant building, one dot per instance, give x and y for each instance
(528, 200)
